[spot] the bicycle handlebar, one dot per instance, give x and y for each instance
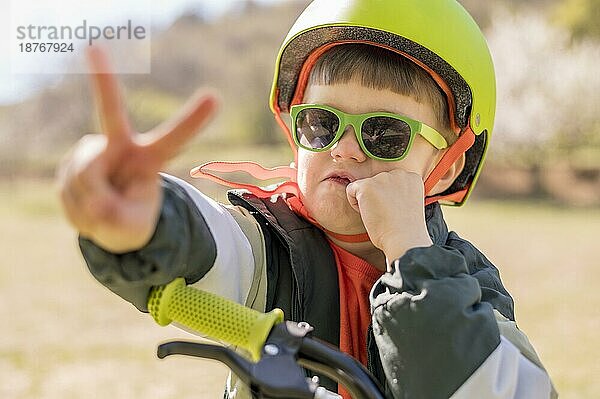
(279, 349)
(212, 315)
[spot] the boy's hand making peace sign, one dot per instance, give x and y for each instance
(108, 183)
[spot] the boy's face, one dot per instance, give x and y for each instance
(324, 195)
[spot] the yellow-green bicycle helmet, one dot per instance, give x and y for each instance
(438, 35)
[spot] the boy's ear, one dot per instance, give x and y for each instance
(448, 178)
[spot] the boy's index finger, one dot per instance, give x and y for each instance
(170, 137)
(113, 117)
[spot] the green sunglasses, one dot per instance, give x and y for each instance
(381, 135)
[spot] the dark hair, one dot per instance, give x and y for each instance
(380, 68)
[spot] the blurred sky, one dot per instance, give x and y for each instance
(17, 87)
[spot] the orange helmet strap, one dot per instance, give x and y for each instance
(456, 150)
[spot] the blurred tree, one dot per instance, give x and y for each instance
(548, 94)
(483, 11)
(581, 17)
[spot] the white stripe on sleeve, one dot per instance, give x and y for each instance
(231, 274)
(506, 374)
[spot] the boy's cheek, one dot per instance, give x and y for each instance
(419, 162)
(307, 168)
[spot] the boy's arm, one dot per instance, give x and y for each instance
(437, 339)
(195, 238)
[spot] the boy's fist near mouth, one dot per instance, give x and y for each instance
(391, 206)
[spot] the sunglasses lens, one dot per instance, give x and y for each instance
(316, 128)
(385, 137)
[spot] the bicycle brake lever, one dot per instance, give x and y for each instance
(275, 375)
(235, 362)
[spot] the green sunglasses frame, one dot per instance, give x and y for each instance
(357, 120)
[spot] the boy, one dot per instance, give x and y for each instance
(390, 114)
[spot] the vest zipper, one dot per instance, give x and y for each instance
(295, 305)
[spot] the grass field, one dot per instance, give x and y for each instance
(65, 336)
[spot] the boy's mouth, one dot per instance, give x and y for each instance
(340, 178)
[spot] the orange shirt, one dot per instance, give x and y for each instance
(356, 277)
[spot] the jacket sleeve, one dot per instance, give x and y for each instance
(437, 339)
(195, 238)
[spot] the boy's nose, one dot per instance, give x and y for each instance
(347, 147)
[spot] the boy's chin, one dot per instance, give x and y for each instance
(331, 209)
(342, 220)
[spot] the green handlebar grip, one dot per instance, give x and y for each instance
(212, 316)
